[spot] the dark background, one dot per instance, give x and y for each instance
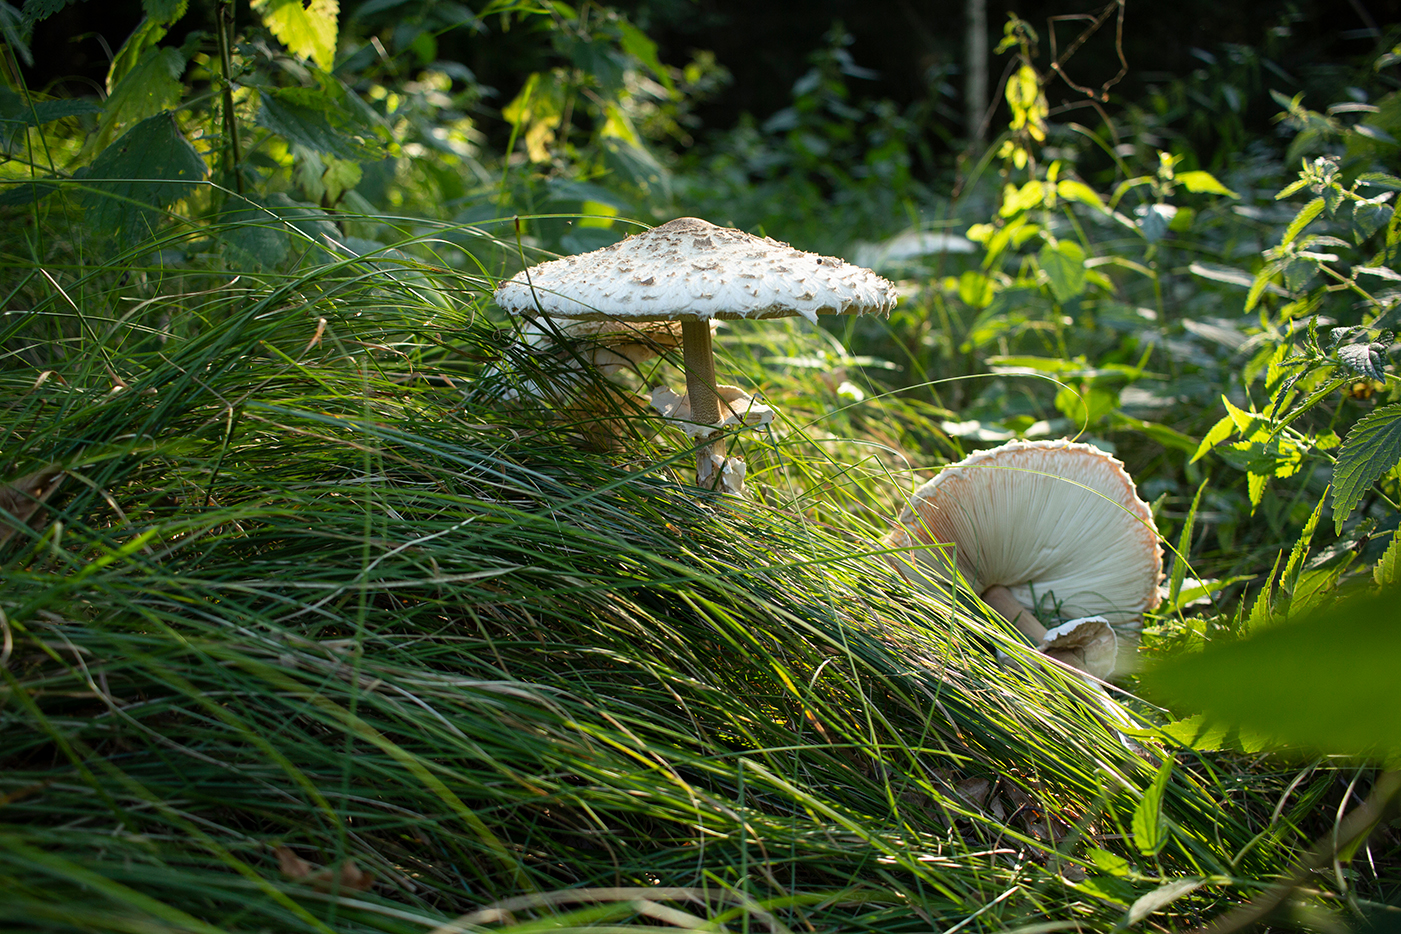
(912, 46)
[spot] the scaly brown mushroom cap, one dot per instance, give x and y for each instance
(690, 270)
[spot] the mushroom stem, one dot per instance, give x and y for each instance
(1001, 600)
(699, 357)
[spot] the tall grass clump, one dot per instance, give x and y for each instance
(316, 630)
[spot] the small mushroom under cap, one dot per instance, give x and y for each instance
(693, 271)
(1032, 523)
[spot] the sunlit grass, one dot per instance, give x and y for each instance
(315, 579)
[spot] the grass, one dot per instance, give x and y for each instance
(309, 583)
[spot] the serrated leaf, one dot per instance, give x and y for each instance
(1382, 271)
(1387, 571)
(1331, 685)
(1301, 220)
(1380, 180)
(1218, 433)
(44, 112)
(1064, 265)
(1150, 832)
(164, 11)
(38, 10)
(1159, 899)
(308, 31)
(15, 193)
(150, 168)
(299, 120)
(1301, 548)
(1367, 218)
(1364, 359)
(1371, 448)
(15, 32)
(1204, 182)
(1261, 283)
(1299, 272)
(150, 87)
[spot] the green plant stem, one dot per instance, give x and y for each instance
(225, 31)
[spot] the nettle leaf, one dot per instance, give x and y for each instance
(165, 11)
(37, 10)
(1364, 359)
(1204, 182)
(307, 30)
(308, 118)
(1064, 265)
(15, 30)
(1150, 831)
(1301, 220)
(1371, 448)
(132, 181)
(1368, 217)
(44, 112)
(1331, 684)
(149, 88)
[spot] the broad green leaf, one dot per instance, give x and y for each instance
(1204, 182)
(307, 30)
(1199, 733)
(138, 45)
(1071, 190)
(1160, 898)
(1150, 831)
(152, 86)
(636, 43)
(255, 232)
(1371, 448)
(16, 192)
(1262, 282)
(150, 168)
(304, 118)
(165, 11)
(1301, 220)
(1367, 218)
(1108, 862)
(1331, 684)
(1064, 264)
(48, 111)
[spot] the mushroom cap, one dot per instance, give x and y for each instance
(689, 268)
(1049, 520)
(1087, 644)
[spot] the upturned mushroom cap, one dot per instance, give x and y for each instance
(690, 268)
(1055, 522)
(1087, 644)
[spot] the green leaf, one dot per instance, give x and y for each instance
(1218, 433)
(1150, 832)
(305, 118)
(1160, 898)
(1388, 569)
(18, 192)
(164, 11)
(636, 43)
(37, 10)
(1071, 190)
(1367, 218)
(1331, 682)
(1184, 547)
(48, 111)
(1204, 182)
(308, 31)
(1301, 548)
(150, 87)
(150, 168)
(1371, 448)
(15, 30)
(1064, 264)
(1301, 220)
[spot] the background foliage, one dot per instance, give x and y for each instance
(335, 599)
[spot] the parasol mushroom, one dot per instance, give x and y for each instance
(1040, 523)
(692, 271)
